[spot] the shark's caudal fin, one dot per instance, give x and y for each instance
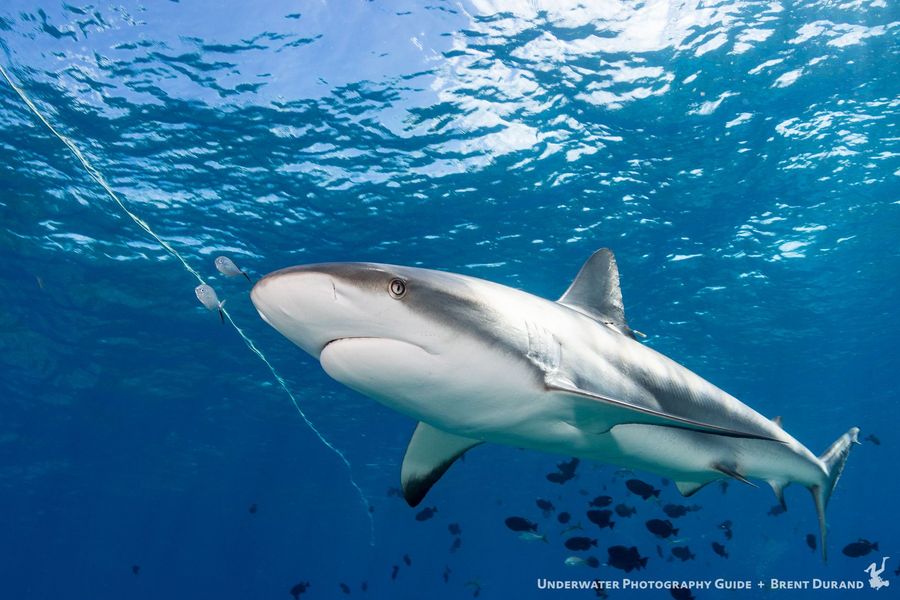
(428, 456)
(833, 460)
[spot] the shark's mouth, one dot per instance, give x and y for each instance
(350, 338)
(377, 338)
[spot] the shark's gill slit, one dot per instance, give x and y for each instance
(101, 181)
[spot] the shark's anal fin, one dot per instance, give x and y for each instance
(778, 487)
(643, 414)
(428, 456)
(595, 292)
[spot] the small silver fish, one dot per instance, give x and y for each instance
(208, 298)
(227, 267)
(530, 536)
(571, 528)
(575, 561)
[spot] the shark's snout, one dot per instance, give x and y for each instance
(302, 305)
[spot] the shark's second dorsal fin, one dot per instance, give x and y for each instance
(595, 292)
(428, 456)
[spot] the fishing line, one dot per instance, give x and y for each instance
(98, 177)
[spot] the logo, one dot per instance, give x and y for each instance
(875, 580)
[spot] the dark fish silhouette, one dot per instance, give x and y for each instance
(601, 501)
(661, 527)
(426, 513)
(566, 472)
(624, 511)
(407, 560)
(394, 570)
(563, 517)
(725, 526)
(627, 559)
(811, 541)
(457, 542)
(580, 544)
(520, 524)
(299, 589)
(871, 438)
(859, 548)
(447, 572)
(135, 569)
(719, 549)
(601, 518)
(345, 588)
(252, 509)
(723, 485)
(546, 506)
(682, 553)
(642, 489)
(681, 593)
(776, 510)
(454, 529)
(568, 467)
(364, 586)
(673, 511)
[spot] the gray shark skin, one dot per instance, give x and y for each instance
(475, 361)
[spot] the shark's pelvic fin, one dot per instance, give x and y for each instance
(428, 456)
(833, 460)
(643, 414)
(595, 292)
(689, 488)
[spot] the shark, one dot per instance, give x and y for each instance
(475, 361)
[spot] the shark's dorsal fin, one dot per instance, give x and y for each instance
(428, 456)
(595, 292)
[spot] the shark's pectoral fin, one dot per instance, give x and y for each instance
(642, 414)
(732, 472)
(595, 292)
(428, 456)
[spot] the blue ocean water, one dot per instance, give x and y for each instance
(740, 158)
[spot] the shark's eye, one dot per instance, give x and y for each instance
(397, 288)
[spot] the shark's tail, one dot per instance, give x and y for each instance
(833, 460)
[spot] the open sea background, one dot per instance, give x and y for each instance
(740, 157)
